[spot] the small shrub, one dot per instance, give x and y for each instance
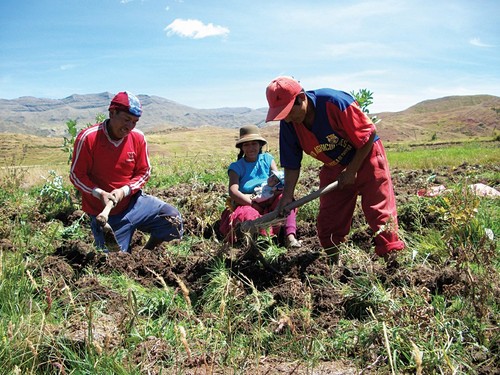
(53, 196)
(364, 98)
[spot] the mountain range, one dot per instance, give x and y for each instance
(448, 117)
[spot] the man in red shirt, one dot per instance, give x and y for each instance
(111, 163)
(329, 125)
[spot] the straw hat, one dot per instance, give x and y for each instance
(249, 133)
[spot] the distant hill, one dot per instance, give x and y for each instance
(444, 118)
(48, 117)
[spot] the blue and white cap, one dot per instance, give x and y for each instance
(126, 101)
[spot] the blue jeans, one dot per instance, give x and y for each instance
(146, 213)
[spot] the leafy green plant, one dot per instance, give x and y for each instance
(54, 197)
(364, 97)
(271, 251)
(76, 231)
(68, 142)
(71, 126)
(458, 209)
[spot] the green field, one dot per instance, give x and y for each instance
(200, 307)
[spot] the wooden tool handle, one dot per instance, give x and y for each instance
(250, 225)
(102, 218)
(315, 194)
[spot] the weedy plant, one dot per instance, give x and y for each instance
(13, 175)
(54, 197)
(474, 251)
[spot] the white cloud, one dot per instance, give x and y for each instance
(195, 29)
(477, 42)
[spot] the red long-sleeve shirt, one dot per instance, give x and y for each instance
(100, 162)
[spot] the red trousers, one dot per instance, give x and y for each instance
(230, 219)
(374, 185)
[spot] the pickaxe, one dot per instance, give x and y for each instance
(253, 226)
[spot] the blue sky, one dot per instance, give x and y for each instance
(211, 54)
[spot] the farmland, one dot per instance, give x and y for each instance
(199, 306)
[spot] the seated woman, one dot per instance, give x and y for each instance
(251, 170)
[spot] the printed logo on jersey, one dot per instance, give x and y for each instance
(131, 156)
(332, 138)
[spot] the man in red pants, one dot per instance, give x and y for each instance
(330, 126)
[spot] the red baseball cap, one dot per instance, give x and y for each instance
(281, 93)
(128, 102)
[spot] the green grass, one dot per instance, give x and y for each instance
(169, 172)
(428, 157)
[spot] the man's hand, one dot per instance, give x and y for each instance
(281, 206)
(346, 178)
(291, 178)
(107, 197)
(119, 194)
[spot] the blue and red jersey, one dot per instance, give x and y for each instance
(100, 162)
(339, 128)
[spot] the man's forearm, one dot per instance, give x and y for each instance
(360, 156)
(291, 178)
